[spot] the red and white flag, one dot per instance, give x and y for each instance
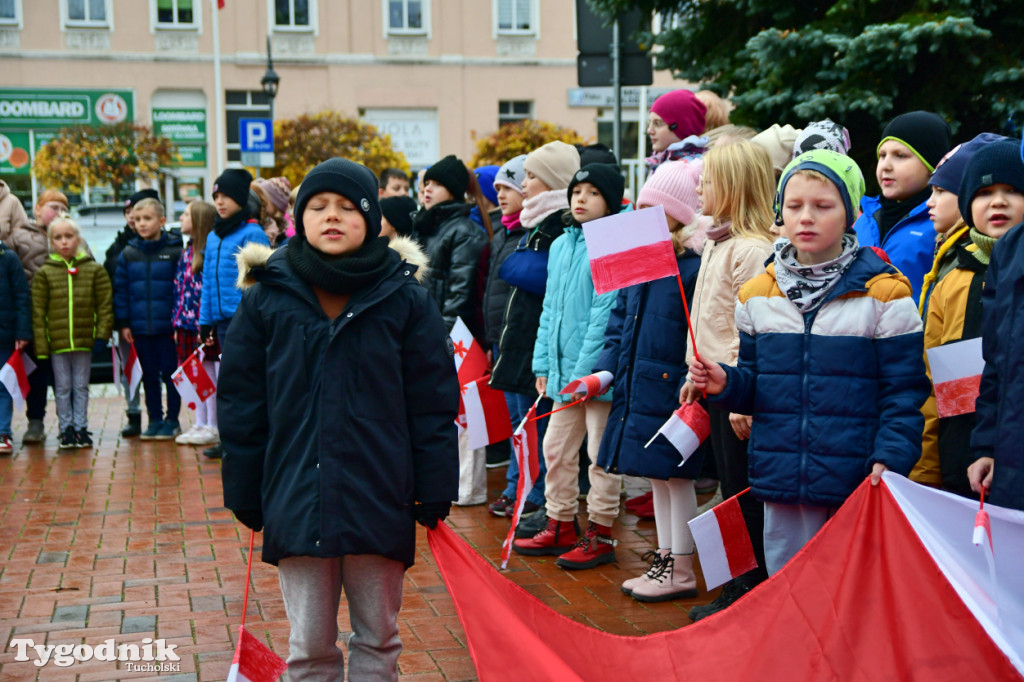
(254, 661)
(983, 539)
(14, 376)
(130, 368)
(630, 248)
(470, 362)
(956, 374)
(487, 419)
(686, 429)
(723, 543)
(525, 447)
(193, 383)
(592, 384)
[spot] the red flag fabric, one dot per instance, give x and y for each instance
(629, 248)
(864, 600)
(132, 369)
(723, 542)
(470, 363)
(592, 384)
(525, 447)
(14, 377)
(197, 376)
(686, 429)
(253, 661)
(487, 419)
(220, 4)
(956, 374)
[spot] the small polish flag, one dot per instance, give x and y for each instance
(630, 248)
(470, 362)
(193, 383)
(686, 429)
(723, 543)
(592, 384)
(487, 417)
(956, 374)
(983, 539)
(132, 369)
(524, 445)
(254, 661)
(14, 376)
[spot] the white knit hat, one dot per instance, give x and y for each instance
(555, 163)
(511, 174)
(674, 186)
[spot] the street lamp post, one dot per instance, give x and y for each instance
(270, 81)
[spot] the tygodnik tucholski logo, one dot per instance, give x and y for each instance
(149, 655)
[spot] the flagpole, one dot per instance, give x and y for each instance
(686, 311)
(563, 407)
(522, 424)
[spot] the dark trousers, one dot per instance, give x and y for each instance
(159, 358)
(35, 403)
(731, 462)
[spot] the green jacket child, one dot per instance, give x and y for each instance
(72, 305)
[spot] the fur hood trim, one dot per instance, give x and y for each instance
(254, 255)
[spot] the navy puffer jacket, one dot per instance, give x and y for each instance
(336, 428)
(645, 349)
(144, 284)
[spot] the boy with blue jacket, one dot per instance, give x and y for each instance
(143, 306)
(830, 362)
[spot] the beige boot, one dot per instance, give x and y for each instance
(655, 557)
(674, 580)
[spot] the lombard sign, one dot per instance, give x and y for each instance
(186, 128)
(25, 108)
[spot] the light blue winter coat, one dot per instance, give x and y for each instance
(573, 318)
(220, 294)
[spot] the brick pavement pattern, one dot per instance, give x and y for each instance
(130, 540)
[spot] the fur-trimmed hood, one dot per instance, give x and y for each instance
(255, 256)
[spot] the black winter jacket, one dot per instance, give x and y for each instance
(455, 245)
(497, 290)
(15, 311)
(999, 410)
(335, 428)
(114, 250)
(513, 368)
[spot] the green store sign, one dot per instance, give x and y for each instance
(186, 128)
(15, 155)
(25, 108)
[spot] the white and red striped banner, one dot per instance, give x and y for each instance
(956, 374)
(723, 543)
(629, 248)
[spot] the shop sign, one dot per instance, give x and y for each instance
(14, 154)
(27, 108)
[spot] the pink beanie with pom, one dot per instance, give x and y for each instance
(674, 186)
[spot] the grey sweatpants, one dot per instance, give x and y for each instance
(71, 387)
(312, 592)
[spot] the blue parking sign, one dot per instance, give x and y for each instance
(256, 134)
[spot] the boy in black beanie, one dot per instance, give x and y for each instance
(338, 397)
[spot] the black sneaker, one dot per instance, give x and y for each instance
(731, 592)
(216, 452)
(497, 458)
(68, 439)
(83, 438)
(533, 524)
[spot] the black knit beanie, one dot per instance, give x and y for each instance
(995, 163)
(354, 181)
(398, 212)
(925, 133)
(140, 195)
(595, 153)
(606, 178)
(234, 183)
(451, 173)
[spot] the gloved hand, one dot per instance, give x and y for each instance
(250, 518)
(206, 332)
(429, 513)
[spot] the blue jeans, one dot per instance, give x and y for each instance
(518, 405)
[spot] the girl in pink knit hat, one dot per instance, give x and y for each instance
(676, 128)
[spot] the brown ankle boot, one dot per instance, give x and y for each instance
(556, 538)
(674, 580)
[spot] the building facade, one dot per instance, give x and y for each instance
(434, 74)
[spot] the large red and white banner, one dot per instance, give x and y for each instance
(629, 248)
(892, 588)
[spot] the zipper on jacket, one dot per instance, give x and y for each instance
(216, 288)
(71, 306)
(149, 297)
(805, 389)
(501, 338)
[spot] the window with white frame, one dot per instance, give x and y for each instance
(407, 16)
(87, 13)
(177, 13)
(512, 111)
(10, 12)
(515, 17)
(297, 15)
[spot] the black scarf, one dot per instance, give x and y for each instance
(894, 211)
(226, 226)
(427, 222)
(344, 274)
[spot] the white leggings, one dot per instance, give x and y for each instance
(675, 503)
(206, 411)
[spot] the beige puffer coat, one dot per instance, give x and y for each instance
(12, 213)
